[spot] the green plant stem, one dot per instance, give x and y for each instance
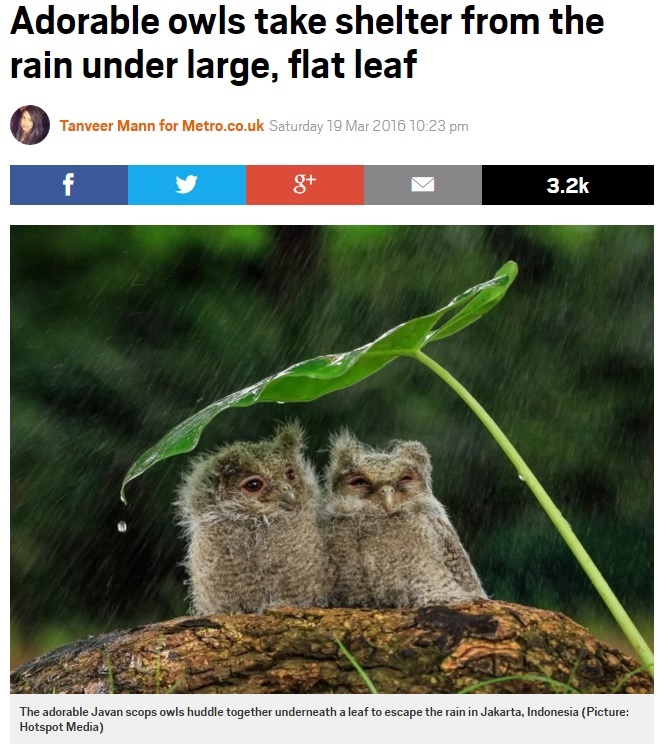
(535, 678)
(364, 675)
(603, 588)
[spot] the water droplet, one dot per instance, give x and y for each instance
(280, 402)
(122, 526)
(520, 477)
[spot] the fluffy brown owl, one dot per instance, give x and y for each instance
(389, 539)
(250, 513)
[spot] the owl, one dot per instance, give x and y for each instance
(250, 516)
(390, 541)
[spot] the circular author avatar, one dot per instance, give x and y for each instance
(30, 124)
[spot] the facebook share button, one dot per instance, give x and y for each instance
(68, 185)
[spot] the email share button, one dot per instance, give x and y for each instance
(422, 184)
(428, 184)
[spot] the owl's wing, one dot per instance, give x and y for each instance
(456, 558)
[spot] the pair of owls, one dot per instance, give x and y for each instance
(261, 533)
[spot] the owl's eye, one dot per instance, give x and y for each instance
(358, 482)
(290, 474)
(253, 484)
(407, 478)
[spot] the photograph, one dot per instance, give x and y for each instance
(332, 459)
(30, 124)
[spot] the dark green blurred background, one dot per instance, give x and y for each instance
(120, 332)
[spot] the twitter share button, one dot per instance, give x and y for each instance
(187, 185)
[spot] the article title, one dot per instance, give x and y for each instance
(301, 62)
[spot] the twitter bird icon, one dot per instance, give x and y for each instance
(170, 185)
(185, 185)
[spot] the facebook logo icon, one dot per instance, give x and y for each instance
(68, 181)
(68, 185)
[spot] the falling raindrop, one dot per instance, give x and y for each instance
(122, 526)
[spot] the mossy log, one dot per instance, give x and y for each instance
(290, 650)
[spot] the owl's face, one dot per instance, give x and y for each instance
(363, 480)
(256, 479)
(262, 486)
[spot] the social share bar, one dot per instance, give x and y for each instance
(332, 185)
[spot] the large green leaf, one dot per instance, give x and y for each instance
(316, 377)
(477, 307)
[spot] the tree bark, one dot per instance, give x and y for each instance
(288, 650)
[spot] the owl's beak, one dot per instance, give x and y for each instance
(286, 498)
(387, 498)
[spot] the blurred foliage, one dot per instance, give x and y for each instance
(120, 332)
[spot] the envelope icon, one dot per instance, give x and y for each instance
(422, 184)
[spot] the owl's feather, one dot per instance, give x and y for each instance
(250, 517)
(390, 541)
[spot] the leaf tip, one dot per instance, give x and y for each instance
(509, 268)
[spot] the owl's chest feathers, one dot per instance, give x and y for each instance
(261, 542)
(376, 524)
(395, 542)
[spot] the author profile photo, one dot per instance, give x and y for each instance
(30, 124)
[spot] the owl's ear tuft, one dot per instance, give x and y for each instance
(416, 452)
(343, 449)
(290, 438)
(230, 459)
